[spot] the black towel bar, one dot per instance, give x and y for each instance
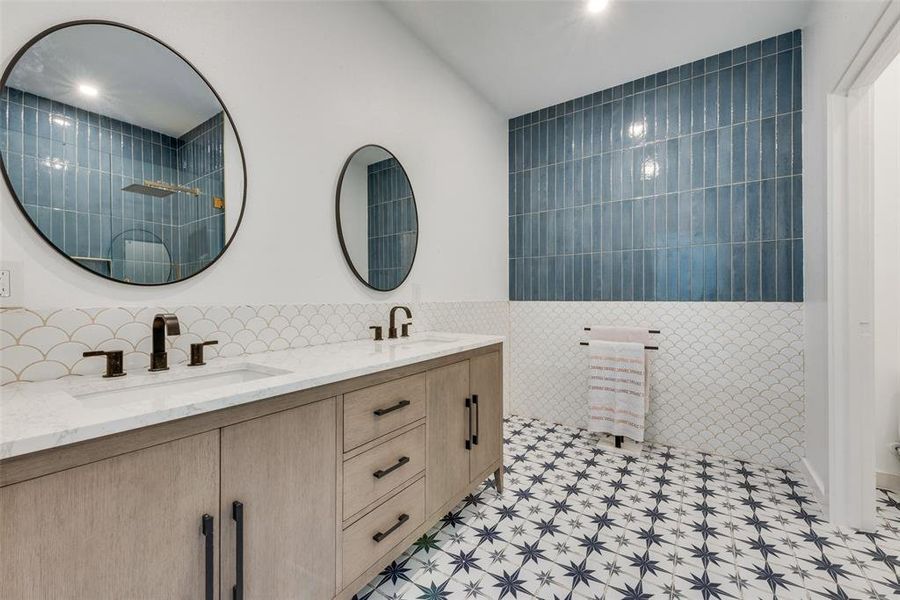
(648, 331)
(645, 347)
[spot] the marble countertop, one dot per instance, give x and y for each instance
(49, 414)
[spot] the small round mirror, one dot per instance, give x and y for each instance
(119, 153)
(377, 223)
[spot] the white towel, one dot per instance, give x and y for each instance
(640, 335)
(617, 388)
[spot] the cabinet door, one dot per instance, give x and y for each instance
(486, 386)
(447, 434)
(282, 470)
(124, 527)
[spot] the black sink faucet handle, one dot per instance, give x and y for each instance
(378, 335)
(114, 361)
(197, 352)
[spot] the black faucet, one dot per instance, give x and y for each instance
(159, 358)
(392, 330)
(114, 359)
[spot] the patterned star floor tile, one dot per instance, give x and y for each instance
(579, 520)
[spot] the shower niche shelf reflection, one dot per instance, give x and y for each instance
(119, 153)
(377, 221)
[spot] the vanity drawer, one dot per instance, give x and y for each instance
(360, 548)
(374, 411)
(379, 471)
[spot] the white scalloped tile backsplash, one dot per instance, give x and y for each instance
(728, 377)
(37, 345)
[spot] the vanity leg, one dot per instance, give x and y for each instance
(498, 479)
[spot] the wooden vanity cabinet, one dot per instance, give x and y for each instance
(123, 527)
(281, 469)
(486, 389)
(465, 426)
(449, 446)
(307, 495)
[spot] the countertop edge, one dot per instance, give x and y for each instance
(62, 438)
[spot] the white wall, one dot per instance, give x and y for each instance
(355, 214)
(834, 33)
(298, 81)
(887, 257)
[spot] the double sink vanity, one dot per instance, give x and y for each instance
(291, 474)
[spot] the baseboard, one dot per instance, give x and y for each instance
(887, 481)
(815, 484)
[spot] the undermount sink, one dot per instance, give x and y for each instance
(424, 339)
(182, 385)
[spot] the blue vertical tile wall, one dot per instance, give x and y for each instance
(683, 185)
(70, 166)
(391, 224)
(201, 165)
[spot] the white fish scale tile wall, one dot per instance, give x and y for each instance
(37, 345)
(473, 317)
(727, 379)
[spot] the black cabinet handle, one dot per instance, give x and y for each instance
(382, 472)
(206, 529)
(383, 411)
(237, 513)
(477, 426)
(469, 420)
(383, 534)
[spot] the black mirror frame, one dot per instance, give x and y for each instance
(8, 71)
(340, 233)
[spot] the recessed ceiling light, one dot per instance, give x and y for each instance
(596, 6)
(88, 90)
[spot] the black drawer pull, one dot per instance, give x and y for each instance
(383, 411)
(382, 472)
(469, 423)
(477, 426)
(237, 513)
(206, 529)
(383, 534)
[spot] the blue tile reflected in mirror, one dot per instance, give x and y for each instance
(121, 170)
(378, 226)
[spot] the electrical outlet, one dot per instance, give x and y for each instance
(12, 286)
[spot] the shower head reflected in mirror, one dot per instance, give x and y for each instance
(159, 189)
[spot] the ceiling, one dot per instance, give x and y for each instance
(525, 55)
(139, 80)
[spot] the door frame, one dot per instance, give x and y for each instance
(850, 224)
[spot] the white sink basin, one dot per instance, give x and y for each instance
(152, 390)
(426, 339)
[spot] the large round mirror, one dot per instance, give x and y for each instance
(376, 218)
(119, 153)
